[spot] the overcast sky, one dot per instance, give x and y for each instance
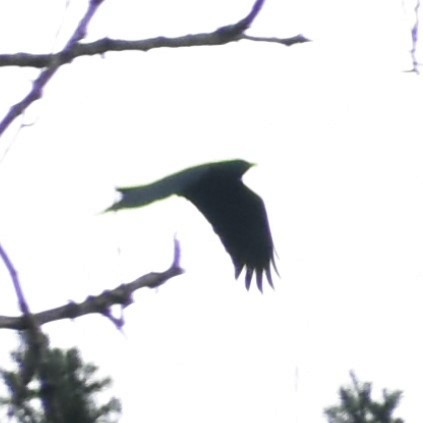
(335, 127)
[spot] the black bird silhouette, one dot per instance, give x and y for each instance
(237, 214)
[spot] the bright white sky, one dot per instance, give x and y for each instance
(335, 127)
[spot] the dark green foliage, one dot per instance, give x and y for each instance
(74, 386)
(357, 405)
(237, 214)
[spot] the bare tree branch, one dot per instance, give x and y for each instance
(222, 35)
(45, 75)
(108, 45)
(102, 303)
(74, 49)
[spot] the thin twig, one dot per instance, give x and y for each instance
(39, 84)
(296, 39)
(23, 306)
(415, 37)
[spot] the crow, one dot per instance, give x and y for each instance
(237, 214)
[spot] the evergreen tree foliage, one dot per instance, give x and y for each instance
(357, 405)
(75, 390)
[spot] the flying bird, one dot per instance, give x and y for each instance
(237, 214)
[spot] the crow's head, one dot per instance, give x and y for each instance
(233, 169)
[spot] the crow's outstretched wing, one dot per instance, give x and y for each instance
(239, 218)
(237, 214)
